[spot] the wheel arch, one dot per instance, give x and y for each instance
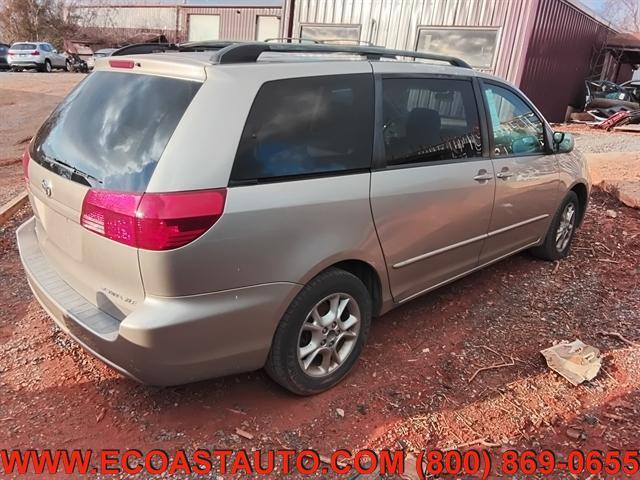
(374, 280)
(582, 191)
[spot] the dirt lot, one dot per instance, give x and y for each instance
(26, 99)
(413, 387)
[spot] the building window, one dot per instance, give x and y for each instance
(477, 46)
(267, 27)
(331, 33)
(204, 27)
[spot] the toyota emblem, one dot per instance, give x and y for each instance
(46, 187)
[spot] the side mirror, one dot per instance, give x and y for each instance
(563, 142)
(54, 51)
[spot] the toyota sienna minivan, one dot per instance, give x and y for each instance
(202, 213)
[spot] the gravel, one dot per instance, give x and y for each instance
(593, 141)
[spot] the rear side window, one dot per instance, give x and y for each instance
(430, 120)
(307, 126)
(112, 129)
(23, 46)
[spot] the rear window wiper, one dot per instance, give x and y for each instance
(74, 170)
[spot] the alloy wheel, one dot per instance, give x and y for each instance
(329, 334)
(566, 226)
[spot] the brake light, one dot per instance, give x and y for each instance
(25, 163)
(121, 63)
(35, 52)
(153, 221)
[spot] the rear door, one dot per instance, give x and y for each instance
(527, 179)
(108, 134)
(432, 194)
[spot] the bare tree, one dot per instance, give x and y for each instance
(44, 20)
(625, 14)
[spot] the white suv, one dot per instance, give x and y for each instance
(39, 55)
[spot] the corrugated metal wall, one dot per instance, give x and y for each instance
(563, 44)
(122, 21)
(235, 23)
(394, 23)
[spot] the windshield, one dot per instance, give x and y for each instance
(23, 46)
(112, 129)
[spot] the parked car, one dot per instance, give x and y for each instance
(234, 214)
(632, 87)
(39, 55)
(103, 52)
(4, 51)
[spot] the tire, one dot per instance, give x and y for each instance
(16, 69)
(67, 66)
(556, 245)
(332, 287)
(47, 67)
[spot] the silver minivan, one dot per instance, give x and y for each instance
(198, 214)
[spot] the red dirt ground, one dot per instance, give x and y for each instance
(410, 389)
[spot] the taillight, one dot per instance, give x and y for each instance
(25, 163)
(153, 221)
(35, 52)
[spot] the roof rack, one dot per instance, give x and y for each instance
(139, 48)
(249, 52)
(291, 40)
(204, 46)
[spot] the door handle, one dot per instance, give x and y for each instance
(504, 174)
(483, 176)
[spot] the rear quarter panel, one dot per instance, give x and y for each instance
(278, 232)
(286, 231)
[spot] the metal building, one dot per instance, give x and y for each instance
(547, 47)
(123, 21)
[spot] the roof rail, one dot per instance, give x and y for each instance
(343, 41)
(139, 48)
(203, 46)
(291, 40)
(249, 52)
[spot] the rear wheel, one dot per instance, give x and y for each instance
(47, 66)
(321, 334)
(557, 242)
(67, 66)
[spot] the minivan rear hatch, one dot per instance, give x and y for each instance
(107, 136)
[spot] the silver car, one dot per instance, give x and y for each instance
(203, 214)
(38, 55)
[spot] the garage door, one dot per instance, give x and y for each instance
(267, 27)
(204, 27)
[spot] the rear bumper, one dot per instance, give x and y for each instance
(165, 341)
(25, 64)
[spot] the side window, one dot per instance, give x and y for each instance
(430, 120)
(306, 126)
(516, 129)
(45, 47)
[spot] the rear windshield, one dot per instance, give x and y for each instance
(112, 129)
(23, 46)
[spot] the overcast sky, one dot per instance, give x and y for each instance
(594, 4)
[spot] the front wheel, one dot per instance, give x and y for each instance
(67, 66)
(321, 334)
(557, 242)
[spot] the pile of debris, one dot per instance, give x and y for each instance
(609, 105)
